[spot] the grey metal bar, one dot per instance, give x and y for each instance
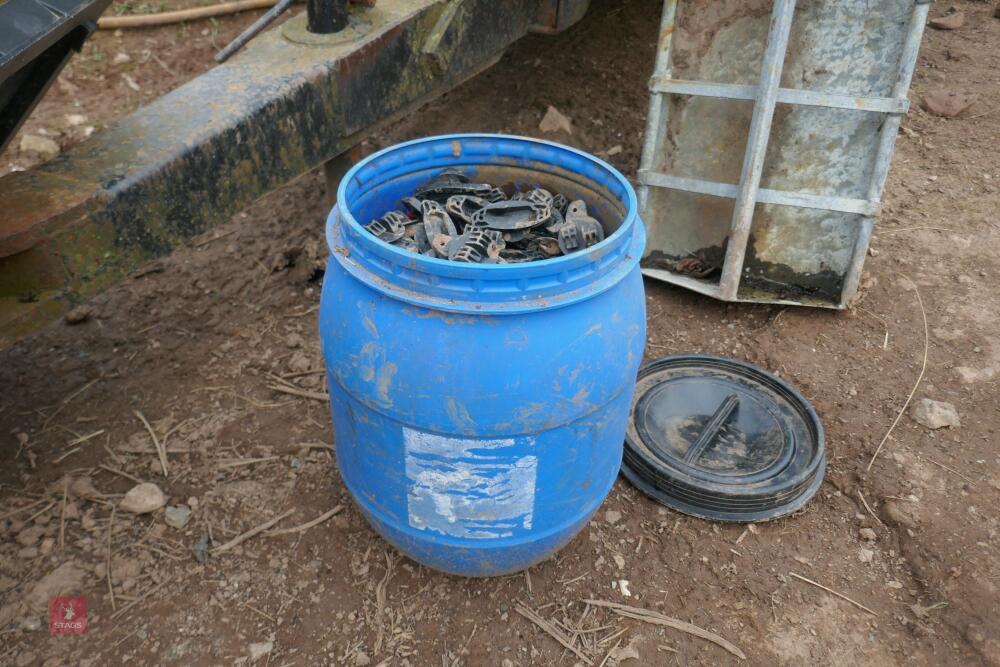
(251, 32)
(886, 144)
(753, 160)
(813, 98)
(694, 284)
(764, 195)
(656, 119)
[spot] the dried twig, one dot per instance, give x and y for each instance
(552, 631)
(161, 451)
(650, 616)
(870, 510)
(122, 473)
(307, 525)
(885, 341)
(40, 512)
(84, 438)
(240, 539)
(111, 452)
(833, 592)
(62, 516)
(140, 599)
(66, 401)
(265, 615)
(380, 601)
(206, 241)
(923, 367)
(309, 311)
(567, 582)
(952, 470)
(610, 651)
(111, 526)
(64, 455)
(314, 395)
(245, 462)
(22, 509)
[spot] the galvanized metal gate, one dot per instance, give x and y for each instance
(812, 251)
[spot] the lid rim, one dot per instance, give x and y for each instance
(722, 497)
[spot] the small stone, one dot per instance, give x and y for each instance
(72, 511)
(866, 555)
(896, 514)
(31, 624)
(294, 341)
(612, 516)
(969, 375)
(124, 569)
(74, 119)
(554, 121)
(143, 498)
(27, 553)
(259, 649)
(299, 363)
(947, 104)
(82, 487)
(121, 58)
(614, 150)
(200, 549)
(26, 659)
(952, 21)
(623, 587)
(620, 654)
(619, 561)
(45, 548)
(67, 579)
(894, 584)
(935, 414)
(30, 536)
(177, 516)
(362, 660)
(78, 315)
(32, 143)
(867, 534)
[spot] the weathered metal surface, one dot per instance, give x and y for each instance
(194, 157)
(556, 16)
(802, 236)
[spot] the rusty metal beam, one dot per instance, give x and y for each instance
(288, 103)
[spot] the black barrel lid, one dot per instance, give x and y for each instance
(722, 439)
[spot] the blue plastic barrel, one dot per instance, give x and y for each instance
(479, 411)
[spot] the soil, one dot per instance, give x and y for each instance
(195, 341)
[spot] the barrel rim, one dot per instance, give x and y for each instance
(486, 287)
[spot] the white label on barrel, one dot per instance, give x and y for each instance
(476, 489)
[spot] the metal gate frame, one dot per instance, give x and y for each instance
(748, 192)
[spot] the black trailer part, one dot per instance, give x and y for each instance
(36, 40)
(288, 102)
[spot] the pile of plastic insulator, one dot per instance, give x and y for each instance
(451, 218)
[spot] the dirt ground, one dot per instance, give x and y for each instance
(195, 342)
